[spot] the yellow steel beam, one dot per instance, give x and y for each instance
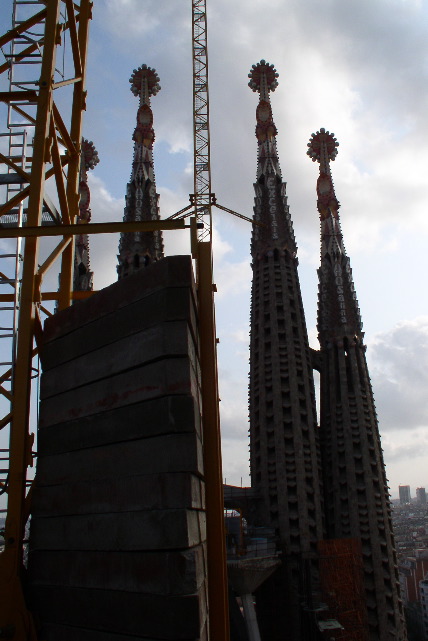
(3, 422)
(24, 26)
(235, 213)
(10, 204)
(26, 115)
(65, 136)
(75, 295)
(14, 616)
(6, 278)
(80, 53)
(56, 253)
(65, 83)
(181, 212)
(216, 542)
(75, 44)
(5, 393)
(20, 56)
(8, 96)
(92, 228)
(46, 311)
(59, 176)
(15, 167)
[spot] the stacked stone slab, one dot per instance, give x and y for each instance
(117, 543)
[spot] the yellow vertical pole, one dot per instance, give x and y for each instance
(79, 95)
(13, 613)
(216, 542)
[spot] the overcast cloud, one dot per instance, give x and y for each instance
(358, 68)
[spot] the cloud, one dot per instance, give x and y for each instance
(146, 18)
(412, 445)
(104, 247)
(357, 68)
(232, 278)
(398, 360)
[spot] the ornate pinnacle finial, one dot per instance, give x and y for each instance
(139, 249)
(88, 160)
(144, 83)
(263, 78)
(322, 147)
(89, 154)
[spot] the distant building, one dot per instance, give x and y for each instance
(421, 495)
(404, 494)
(412, 570)
(423, 592)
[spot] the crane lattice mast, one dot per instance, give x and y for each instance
(202, 196)
(202, 201)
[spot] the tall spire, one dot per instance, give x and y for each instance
(263, 79)
(284, 452)
(277, 227)
(83, 276)
(338, 311)
(356, 498)
(136, 250)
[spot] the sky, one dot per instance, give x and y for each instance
(359, 68)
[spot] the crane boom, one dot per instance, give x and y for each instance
(202, 196)
(202, 201)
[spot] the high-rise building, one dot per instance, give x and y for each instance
(421, 495)
(404, 494)
(356, 498)
(138, 249)
(284, 450)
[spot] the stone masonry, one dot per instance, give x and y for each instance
(117, 542)
(284, 451)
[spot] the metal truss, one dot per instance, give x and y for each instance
(202, 198)
(55, 158)
(56, 154)
(202, 201)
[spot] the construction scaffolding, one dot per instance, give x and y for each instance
(342, 589)
(39, 146)
(43, 134)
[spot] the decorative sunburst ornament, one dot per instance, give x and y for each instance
(144, 73)
(316, 143)
(256, 76)
(89, 154)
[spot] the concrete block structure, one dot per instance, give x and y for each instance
(117, 541)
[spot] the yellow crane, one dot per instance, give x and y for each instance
(56, 156)
(202, 200)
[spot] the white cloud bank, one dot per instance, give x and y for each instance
(358, 68)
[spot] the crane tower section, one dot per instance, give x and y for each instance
(202, 196)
